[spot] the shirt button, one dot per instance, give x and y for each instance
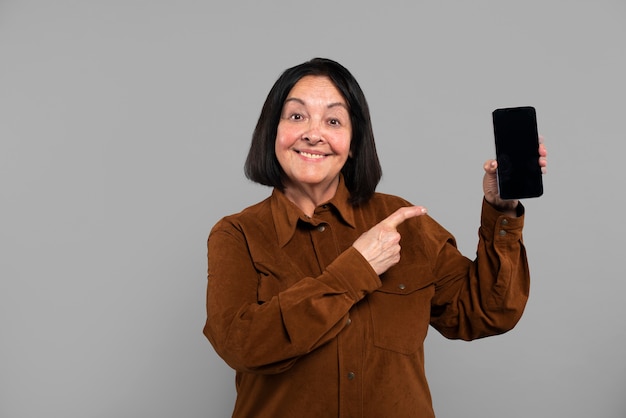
(348, 321)
(505, 222)
(351, 376)
(401, 286)
(502, 232)
(321, 228)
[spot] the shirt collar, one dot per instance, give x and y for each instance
(286, 214)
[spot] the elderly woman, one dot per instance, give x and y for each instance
(312, 299)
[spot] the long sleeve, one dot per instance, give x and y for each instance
(475, 299)
(262, 313)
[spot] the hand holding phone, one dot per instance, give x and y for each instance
(517, 152)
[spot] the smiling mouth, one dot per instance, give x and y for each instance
(309, 155)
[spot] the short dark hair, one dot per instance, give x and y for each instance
(361, 172)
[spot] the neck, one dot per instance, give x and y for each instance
(307, 197)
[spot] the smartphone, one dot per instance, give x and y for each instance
(517, 152)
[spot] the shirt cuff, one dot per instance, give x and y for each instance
(497, 226)
(355, 273)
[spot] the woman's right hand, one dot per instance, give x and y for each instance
(380, 246)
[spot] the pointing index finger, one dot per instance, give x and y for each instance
(403, 214)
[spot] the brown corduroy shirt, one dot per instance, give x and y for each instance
(312, 331)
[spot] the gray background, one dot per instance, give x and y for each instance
(124, 126)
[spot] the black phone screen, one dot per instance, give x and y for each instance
(517, 152)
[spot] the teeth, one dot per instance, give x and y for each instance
(306, 154)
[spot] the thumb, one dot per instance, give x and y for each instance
(402, 215)
(490, 166)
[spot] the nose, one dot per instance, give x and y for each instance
(312, 135)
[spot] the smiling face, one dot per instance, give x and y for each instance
(313, 137)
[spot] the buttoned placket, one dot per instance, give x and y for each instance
(350, 340)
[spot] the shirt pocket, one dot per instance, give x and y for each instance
(400, 309)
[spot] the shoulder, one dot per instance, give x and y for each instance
(389, 200)
(387, 204)
(381, 205)
(248, 217)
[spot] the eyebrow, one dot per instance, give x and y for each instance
(334, 104)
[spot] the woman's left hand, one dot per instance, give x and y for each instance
(490, 181)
